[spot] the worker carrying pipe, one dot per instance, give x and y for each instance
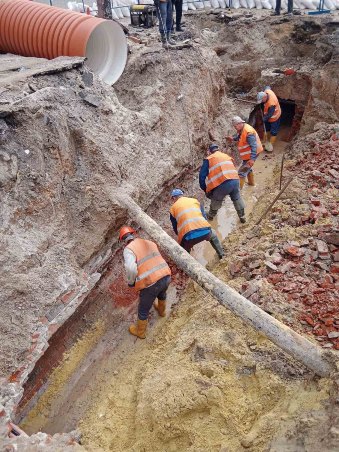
(189, 223)
(219, 178)
(149, 274)
(272, 114)
(249, 147)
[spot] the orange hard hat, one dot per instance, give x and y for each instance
(126, 230)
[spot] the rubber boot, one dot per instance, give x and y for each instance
(250, 178)
(139, 329)
(273, 139)
(211, 214)
(242, 182)
(239, 206)
(160, 306)
(216, 244)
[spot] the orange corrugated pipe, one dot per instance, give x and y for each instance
(32, 29)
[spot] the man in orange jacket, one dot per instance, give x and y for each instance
(150, 275)
(272, 114)
(218, 178)
(189, 222)
(249, 147)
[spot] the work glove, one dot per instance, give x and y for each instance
(229, 139)
(250, 163)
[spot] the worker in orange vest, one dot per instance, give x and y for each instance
(272, 114)
(249, 147)
(189, 222)
(218, 178)
(149, 274)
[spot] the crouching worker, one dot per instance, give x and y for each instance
(189, 223)
(218, 178)
(150, 275)
(249, 147)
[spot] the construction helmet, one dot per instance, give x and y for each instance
(125, 230)
(260, 97)
(176, 192)
(213, 147)
(237, 120)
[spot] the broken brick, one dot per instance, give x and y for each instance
(335, 268)
(294, 251)
(235, 267)
(315, 201)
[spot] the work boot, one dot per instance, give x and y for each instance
(239, 206)
(216, 244)
(242, 182)
(250, 178)
(179, 29)
(139, 329)
(160, 306)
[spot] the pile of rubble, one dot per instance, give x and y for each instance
(293, 269)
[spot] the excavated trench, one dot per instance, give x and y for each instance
(94, 341)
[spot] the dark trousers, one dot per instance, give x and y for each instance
(164, 13)
(289, 6)
(148, 295)
(189, 244)
(178, 11)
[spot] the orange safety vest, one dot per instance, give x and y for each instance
(243, 147)
(188, 215)
(220, 168)
(151, 265)
(272, 100)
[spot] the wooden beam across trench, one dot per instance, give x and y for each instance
(281, 335)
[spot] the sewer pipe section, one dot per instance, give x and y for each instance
(32, 29)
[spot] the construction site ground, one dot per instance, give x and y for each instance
(202, 380)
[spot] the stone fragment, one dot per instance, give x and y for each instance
(3, 127)
(90, 99)
(336, 256)
(332, 239)
(334, 173)
(322, 249)
(271, 266)
(334, 268)
(333, 334)
(276, 258)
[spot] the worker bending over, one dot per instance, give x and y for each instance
(249, 147)
(218, 178)
(272, 113)
(150, 275)
(189, 223)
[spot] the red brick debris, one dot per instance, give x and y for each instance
(306, 273)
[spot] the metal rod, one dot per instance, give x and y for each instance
(274, 201)
(281, 169)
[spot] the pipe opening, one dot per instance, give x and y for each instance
(106, 51)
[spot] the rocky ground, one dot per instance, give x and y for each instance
(64, 137)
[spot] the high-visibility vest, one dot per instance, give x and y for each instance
(188, 215)
(272, 101)
(243, 147)
(220, 168)
(151, 265)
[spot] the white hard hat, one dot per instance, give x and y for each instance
(260, 97)
(237, 120)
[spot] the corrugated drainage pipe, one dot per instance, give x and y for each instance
(32, 29)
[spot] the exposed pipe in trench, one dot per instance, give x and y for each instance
(281, 335)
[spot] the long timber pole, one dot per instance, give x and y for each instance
(281, 335)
